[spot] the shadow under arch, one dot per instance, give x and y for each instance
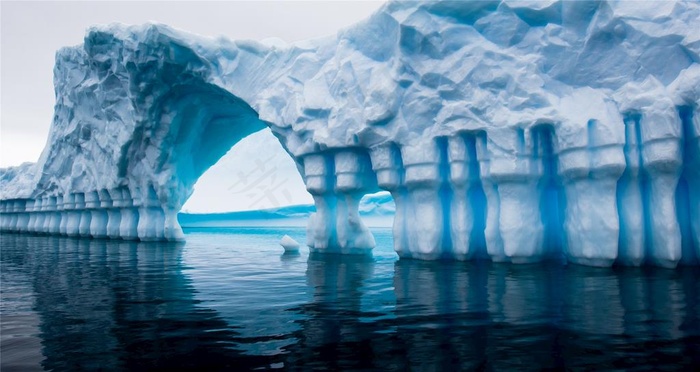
(192, 125)
(196, 123)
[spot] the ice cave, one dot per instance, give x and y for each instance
(508, 131)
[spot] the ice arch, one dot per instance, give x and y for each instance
(193, 125)
(196, 125)
(141, 114)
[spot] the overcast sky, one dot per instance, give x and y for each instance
(31, 32)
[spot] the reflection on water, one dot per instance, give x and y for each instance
(549, 316)
(229, 299)
(106, 304)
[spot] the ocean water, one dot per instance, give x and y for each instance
(229, 299)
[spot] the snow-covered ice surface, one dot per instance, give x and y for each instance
(512, 130)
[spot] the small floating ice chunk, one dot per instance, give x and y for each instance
(289, 244)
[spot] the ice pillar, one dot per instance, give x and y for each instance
(318, 170)
(514, 229)
(661, 159)
(22, 216)
(692, 174)
(98, 216)
(114, 213)
(467, 203)
(151, 217)
(172, 230)
(630, 198)
(353, 179)
(4, 216)
(590, 173)
(34, 224)
(31, 205)
(61, 203)
(85, 214)
(72, 215)
(128, 224)
(427, 201)
(55, 216)
(44, 217)
(387, 164)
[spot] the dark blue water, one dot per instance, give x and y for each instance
(229, 299)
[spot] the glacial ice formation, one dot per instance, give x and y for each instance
(511, 130)
(289, 244)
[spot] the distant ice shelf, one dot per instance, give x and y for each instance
(376, 211)
(512, 131)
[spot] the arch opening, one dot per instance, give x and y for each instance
(197, 125)
(194, 125)
(255, 174)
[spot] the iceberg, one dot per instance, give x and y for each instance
(514, 131)
(289, 244)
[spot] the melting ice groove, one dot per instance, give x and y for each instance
(503, 130)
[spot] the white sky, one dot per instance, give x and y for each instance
(31, 32)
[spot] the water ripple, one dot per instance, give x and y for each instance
(231, 299)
